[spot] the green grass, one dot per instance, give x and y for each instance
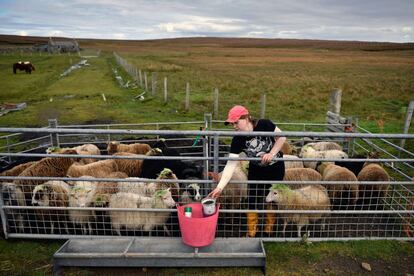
(17, 258)
(377, 86)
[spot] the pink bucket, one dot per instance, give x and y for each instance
(198, 230)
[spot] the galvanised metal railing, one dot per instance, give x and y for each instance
(377, 213)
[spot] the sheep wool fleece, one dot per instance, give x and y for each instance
(256, 146)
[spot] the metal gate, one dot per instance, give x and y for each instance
(377, 213)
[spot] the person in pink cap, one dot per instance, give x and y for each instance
(267, 168)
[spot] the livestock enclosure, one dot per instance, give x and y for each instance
(380, 211)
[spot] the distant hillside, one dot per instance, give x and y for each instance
(9, 40)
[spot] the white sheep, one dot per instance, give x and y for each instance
(295, 163)
(83, 195)
(314, 197)
(321, 146)
(12, 195)
(149, 188)
(310, 152)
(53, 193)
(145, 220)
(86, 149)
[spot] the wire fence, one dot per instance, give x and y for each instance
(122, 194)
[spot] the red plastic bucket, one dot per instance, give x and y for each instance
(198, 230)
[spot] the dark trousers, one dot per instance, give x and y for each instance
(258, 192)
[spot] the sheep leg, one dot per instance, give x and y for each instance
(166, 230)
(20, 223)
(118, 230)
(52, 227)
(300, 225)
(355, 194)
(90, 227)
(284, 227)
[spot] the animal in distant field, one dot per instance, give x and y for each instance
(23, 66)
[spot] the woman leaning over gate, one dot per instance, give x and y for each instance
(266, 147)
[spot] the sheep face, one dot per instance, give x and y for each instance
(272, 196)
(41, 196)
(277, 193)
(82, 196)
(195, 191)
(51, 150)
(166, 197)
(307, 150)
(112, 147)
(9, 194)
(166, 173)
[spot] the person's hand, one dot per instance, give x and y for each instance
(267, 158)
(215, 193)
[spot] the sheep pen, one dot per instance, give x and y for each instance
(356, 217)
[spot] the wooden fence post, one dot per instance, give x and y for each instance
(335, 101)
(187, 96)
(407, 123)
(146, 81)
(154, 83)
(165, 90)
(140, 77)
(263, 106)
(216, 103)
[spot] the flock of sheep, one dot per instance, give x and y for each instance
(143, 196)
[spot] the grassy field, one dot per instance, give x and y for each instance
(376, 80)
(376, 85)
(331, 258)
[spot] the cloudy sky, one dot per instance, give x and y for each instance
(366, 20)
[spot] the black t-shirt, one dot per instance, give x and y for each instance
(256, 146)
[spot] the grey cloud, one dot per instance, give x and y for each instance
(378, 20)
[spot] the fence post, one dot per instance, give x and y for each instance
(165, 90)
(187, 96)
(8, 148)
(335, 101)
(263, 106)
(216, 153)
(216, 103)
(140, 77)
(407, 123)
(54, 137)
(3, 218)
(146, 81)
(206, 148)
(154, 83)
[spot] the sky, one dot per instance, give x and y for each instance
(363, 20)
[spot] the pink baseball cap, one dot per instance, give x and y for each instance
(235, 113)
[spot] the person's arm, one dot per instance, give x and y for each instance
(225, 176)
(266, 158)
